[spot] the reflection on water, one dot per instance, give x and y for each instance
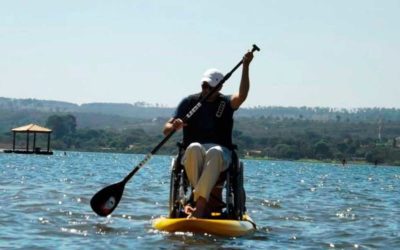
(45, 204)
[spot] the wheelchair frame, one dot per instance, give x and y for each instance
(181, 191)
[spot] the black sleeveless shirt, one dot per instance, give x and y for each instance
(212, 123)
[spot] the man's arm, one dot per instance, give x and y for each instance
(175, 122)
(238, 98)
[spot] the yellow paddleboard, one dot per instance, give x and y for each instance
(211, 226)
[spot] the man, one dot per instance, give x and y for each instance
(207, 135)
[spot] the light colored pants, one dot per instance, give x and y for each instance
(203, 164)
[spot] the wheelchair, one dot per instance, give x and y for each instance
(228, 205)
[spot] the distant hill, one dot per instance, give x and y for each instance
(323, 113)
(14, 112)
(13, 104)
(137, 110)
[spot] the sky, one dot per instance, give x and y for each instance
(320, 53)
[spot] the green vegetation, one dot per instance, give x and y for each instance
(328, 140)
(371, 135)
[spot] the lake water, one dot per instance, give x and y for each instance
(44, 204)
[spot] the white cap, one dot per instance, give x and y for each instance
(212, 77)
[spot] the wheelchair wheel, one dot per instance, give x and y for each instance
(173, 192)
(180, 192)
(239, 196)
(235, 196)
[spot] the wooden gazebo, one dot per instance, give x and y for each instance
(32, 129)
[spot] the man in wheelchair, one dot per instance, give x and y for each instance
(232, 206)
(207, 149)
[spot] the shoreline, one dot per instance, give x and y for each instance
(333, 162)
(336, 162)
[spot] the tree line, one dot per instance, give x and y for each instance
(264, 137)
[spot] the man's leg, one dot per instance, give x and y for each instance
(193, 160)
(216, 161)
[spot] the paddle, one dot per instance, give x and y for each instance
(106, 200)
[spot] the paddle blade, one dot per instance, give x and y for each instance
(107, 199)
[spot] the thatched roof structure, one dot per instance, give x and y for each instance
(32, 128)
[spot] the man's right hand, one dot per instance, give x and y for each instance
(177, 124)
(173, 124)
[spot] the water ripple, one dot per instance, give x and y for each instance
(45, 205)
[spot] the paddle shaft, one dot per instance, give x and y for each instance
(185, 119)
